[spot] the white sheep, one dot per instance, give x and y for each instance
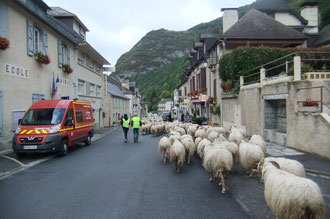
(241, 130)
(180, 130)
(291, 166)
(258, 140)
(218, 161)
(200, 147)
(164, 147)
(191, 130)
(173, 135)
(177, 154)
(249, 156)
(197, 140)
(291, 196)
(232, 147)
(235, 136)
(189, 146)
(200, 133)
(212, 136)
(220, 130)
(188, 136)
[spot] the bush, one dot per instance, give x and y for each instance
(199, 120)
(242, 59)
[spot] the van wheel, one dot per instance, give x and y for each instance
(63, 148)
(89, 140)
(20, 154)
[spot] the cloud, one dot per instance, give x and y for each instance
(116, 26)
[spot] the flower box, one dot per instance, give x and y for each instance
(310, 103)
(41, 58)
(67, 68)
(4, 43)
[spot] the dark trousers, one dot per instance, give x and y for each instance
(125, 132)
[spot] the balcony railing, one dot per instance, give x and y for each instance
(297, 66)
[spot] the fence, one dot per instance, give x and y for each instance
(297, 64)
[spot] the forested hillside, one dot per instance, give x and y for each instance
(157, 61)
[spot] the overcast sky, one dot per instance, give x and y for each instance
(116, 26)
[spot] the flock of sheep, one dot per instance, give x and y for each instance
(288, 193)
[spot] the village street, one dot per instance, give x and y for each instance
(113, 179)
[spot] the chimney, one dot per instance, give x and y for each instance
(230, 17)
(310, 12)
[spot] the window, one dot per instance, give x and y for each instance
(16, 116)
(198, 81)
(98, 91)
(63, 54)
(69, 114)
(79, 116)
(37, 97)
(89, 62)
(81, 60)
(81, 87)
(91, 89)
(97, 67)
(113, 102)
(214, 87)
(76, 26)
(82, 32)
(36, 39)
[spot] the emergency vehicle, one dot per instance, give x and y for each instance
(54, 125)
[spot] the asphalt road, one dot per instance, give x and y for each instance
(113, 179)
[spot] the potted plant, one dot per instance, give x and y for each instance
(210, 100)
(41, 58)
(67, 68)
(193, 93)
(227, 85)
(4, 43)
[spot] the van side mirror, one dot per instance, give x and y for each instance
(19, 121)
(69, 121)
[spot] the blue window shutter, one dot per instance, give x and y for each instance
(60, 55)
(3, 19)
(1, 123)
(44, 42)
(68, 56)
(30, 30)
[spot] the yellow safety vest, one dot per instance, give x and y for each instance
(136, 122)
(126, 123)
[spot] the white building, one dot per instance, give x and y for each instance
(24, 80)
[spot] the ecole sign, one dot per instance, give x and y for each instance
(16, 71)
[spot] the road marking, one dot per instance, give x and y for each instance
(13, 159)
(19, 169)
(6, 151)
(320, 175)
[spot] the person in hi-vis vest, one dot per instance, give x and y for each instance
(125, 121)
(136, 124)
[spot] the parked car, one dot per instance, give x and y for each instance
(165, 115)
(54, 125)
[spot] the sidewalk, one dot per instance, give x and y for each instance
(312, 163)
(10, 163)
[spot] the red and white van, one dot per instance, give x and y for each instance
(54, 125)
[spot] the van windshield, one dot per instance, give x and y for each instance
(43, 116)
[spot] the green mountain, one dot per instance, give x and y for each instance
(158, 60)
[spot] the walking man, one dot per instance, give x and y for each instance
(136, 124)
(125, 124)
